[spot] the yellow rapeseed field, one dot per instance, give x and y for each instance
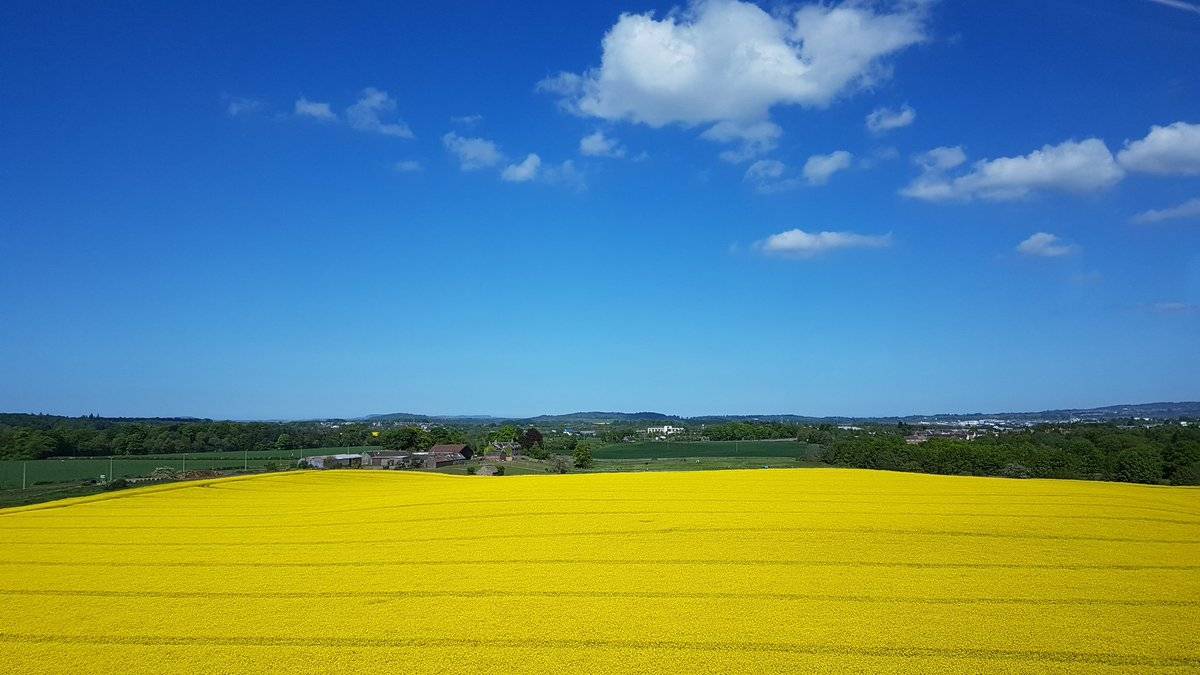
(730, 571)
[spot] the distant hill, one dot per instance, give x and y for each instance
(1163, 410)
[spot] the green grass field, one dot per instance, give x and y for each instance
(662, 449)
(74, 470)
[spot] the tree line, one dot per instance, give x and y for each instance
(1164, 454)
(41, 436)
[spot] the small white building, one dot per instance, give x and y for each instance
(665, 430)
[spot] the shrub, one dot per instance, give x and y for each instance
(1015, 471)
(499, 471)
(472, 470)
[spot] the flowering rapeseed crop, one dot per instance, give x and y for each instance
(732, 571)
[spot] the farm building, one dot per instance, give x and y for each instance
(452, 448)
(444, 455)
(387, 459)
(332, 462)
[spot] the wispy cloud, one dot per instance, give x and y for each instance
(368, 112)
(1188, 209)
(565, 175)
(472, 153)
(882, 120)
(242, 106)
(313, 109)
(467, 120)
(408, 166)
(1172, 307)
(1178, 4)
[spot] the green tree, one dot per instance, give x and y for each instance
(406, 438)
(583, 456)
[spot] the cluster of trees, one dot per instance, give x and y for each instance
(750, 431)
(40, 436)
(416, 439)
(1158, 454)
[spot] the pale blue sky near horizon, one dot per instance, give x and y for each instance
(229, 211)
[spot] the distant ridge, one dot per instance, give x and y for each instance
(1161, 410)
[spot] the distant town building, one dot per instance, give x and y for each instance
(665, 430)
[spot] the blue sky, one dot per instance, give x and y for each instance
(844, 208)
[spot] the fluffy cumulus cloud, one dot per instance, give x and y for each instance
(1072, 166)
(882, 120)
(598, 145)
(819, 168)
(472, 153)
(1170, 150)
(801, 244)
(368, 112)
(523, 172)
(1045, 245)
(1188, 209)
(313, 109)
(729, 61)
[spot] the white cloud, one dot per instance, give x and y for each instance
(768, 177)
(243, 106)
(523, 172)
(467, 120)
(408, 166)
(1071, 166)
(1188, 209)
(765, 169)
(941, 159)
(307, 108)
(730, 61)
(1045, 245)
(565, 175)
(598, 145)
(882, 120)
(1173, 149)
(819, 168)
(368, 112)
(801, 244)
(472, 153)
(753, 139)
